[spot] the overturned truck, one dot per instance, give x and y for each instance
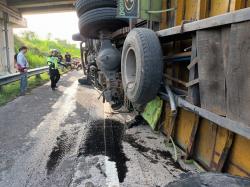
(194, 55)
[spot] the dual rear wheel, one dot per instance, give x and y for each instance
(141, 63)
(98, 17)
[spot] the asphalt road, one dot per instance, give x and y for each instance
(70, 138)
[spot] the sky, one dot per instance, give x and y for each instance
(60, 25)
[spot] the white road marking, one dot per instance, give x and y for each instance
(112, 179)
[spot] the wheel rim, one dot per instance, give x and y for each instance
(130, 68)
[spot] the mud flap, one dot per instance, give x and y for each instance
(152, 112)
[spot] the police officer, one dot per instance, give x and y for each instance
(53, 68)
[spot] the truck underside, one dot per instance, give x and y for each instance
(194, 55)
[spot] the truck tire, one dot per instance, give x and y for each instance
(141, 65)
(82, 6)
(94, 21)
(211, 180)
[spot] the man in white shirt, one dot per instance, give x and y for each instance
(23, 65)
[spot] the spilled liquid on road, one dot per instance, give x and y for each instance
(152, 154)
(64, 143)
(105, 138)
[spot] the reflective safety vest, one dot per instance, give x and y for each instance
(52, 62)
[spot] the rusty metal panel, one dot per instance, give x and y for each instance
(222, 146)
(191, 10)
(185, 129)
(198, 9)
(204, 143)
(166, 120)
(202, 11)
(237, 4)
(212, 145)
(180, 12)
(218, 7)
(239, 162)
(187, 10)
(168, 125)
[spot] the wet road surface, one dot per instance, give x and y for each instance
(70, 138)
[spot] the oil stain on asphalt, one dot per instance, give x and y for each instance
(153, 155)
(104, 137)
(64, 144)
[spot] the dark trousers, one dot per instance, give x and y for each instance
(23, 82)
(54, 77)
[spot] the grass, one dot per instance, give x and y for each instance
(11, 91)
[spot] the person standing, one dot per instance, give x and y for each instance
(68, 59)
(60, 60)
(22, 66)
(53, 68)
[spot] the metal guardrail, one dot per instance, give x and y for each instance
(6, 79)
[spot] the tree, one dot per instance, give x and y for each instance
(29, 35)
